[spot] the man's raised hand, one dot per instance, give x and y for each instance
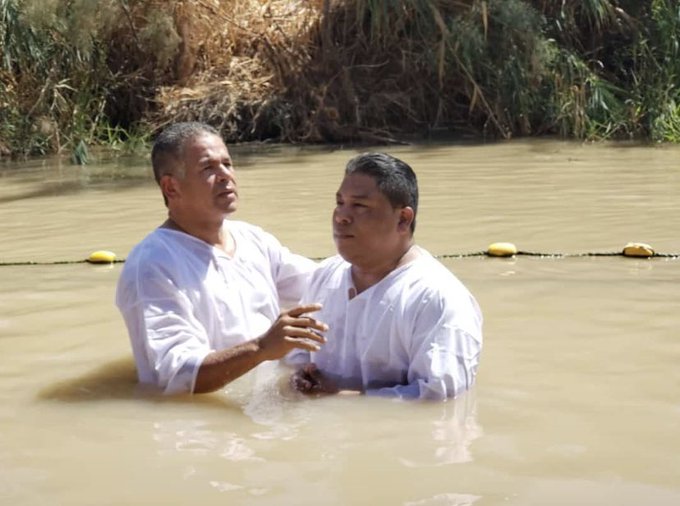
(293, 329)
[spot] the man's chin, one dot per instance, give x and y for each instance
(346, 255)
(228, 207)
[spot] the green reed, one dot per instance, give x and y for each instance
(55, 81)
(656, 76)
(77, 73)
(595, 69)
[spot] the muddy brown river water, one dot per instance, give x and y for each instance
(578, 395)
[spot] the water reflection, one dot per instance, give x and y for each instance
(199, 437)
(445, 500)
(579, 365)
(116, 379)
(274, 435)
(453, 429)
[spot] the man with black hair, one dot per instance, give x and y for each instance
(400, 323)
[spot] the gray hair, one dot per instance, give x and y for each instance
(168, 148)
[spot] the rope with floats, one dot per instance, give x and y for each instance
(508, 249)
(496, 249)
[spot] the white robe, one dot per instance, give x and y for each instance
(182, 298)
(415, 334)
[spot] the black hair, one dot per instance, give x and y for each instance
(394, 178)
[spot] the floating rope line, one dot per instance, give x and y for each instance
(555, 255)
(56, 262)
(497, 249)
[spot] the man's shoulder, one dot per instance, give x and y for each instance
(429, 293)
(143, 248)
(429, 277)
(428, 269)
(331, 266)
(155, 241)
(329, 271)
(142, 263)
(252, 235)
(243, 228)
(161, 249)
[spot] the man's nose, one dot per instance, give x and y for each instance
(225, 173)
(341, 216)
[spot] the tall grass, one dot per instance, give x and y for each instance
(58, 82)
(655, 74)
(595, 69)
(54, 76)
(74, 73)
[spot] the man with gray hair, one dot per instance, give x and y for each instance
(201, 295)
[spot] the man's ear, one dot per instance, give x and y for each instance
(169, 186)
(406, 216)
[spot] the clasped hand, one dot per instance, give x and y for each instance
(310, 380)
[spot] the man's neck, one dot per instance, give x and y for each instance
(365, 276)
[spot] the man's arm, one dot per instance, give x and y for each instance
(444, 350)
(290, 331)
(171, 346)
(438, 370)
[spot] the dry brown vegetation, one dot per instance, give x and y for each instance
(80, 72)
(234, 64)
(372, 70)
(314, 71)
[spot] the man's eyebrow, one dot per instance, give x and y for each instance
(355, 195)
(216, 158)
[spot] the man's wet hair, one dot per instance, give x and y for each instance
(167, 154)
(394, 178)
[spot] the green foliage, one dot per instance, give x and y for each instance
(80, 154)
(78, 73)
(510, 63)
(54, 74)
(54, 77)
(597, 69)
(160, 38)
(656, 78)
(120, 140)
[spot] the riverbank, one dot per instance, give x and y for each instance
(87, 72)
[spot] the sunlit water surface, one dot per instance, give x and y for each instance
(577, 400)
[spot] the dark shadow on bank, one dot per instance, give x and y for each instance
(117, 380)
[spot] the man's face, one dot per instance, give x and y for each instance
(366, 228)
(208, 185)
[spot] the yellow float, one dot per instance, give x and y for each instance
(638, 249)
(502, 249)
(101, 257)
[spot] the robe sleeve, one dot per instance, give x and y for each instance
(163, 329)
(291, 272)
(444, 345)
